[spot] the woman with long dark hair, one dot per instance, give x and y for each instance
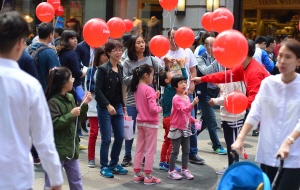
(138, 54)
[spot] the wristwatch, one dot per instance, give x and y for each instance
(291, 139)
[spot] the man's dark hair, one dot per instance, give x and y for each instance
(169, 32)
(260, 40)
(45, 29)
(270, 40)
(13, 27)
(59, 31)
(251, 48)
(176, 79)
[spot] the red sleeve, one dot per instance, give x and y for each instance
(254, 81)
(220, 77)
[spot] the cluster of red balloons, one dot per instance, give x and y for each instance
(220, 20)
(236, 102)
(96, 31)
(45, 11)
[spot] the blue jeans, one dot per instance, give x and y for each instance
(209, 121)
(193, 138)
(108, 123)
(131, 111)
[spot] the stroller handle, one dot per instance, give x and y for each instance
(278, 171)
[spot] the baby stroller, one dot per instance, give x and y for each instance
(246, 176)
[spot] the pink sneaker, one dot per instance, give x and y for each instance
(174, 175)
(187, 174)
(138, 179)
(151, 181)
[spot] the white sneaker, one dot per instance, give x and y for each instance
(222, 171)
(174, 175)
(187, 174)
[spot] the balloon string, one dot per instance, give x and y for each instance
(2, 5)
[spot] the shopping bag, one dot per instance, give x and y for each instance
(128, 128)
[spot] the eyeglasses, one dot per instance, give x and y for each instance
(117, 50)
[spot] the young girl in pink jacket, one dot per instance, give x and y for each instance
(146, 122)
(180, 130)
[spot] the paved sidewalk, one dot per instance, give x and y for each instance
(205, 176)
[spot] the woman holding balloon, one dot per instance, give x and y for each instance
(138, 54)
(277, 107)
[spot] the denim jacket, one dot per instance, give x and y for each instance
(105, 87)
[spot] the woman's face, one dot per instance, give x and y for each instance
(73, 42)
(115, 54)
(140, 45)
(103, 58)
(287, 61)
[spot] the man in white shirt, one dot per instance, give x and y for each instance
(25, 116)
(187, 56)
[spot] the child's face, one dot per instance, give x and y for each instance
(68, 86)
(181, 87)
(149, 78)
(169, 77)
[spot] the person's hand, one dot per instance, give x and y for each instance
(111, 110)
(195, 101)
(160, 108)
(168, 62)
(211, 102)
(180, 62)
(75, 111)
(196, 80)
(238, 146)
(157, 94)
(59, 187)
(88, 97)
(124, 110)
(284, 149)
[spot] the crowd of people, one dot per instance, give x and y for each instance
(72, 82)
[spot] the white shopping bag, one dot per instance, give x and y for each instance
(128, 128)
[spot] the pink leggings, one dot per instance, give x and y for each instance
(145, 147)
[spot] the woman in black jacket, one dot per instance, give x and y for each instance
(111, 108)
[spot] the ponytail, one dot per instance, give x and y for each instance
(138, 73)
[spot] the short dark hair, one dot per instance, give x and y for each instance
(260, 40)
(176, 79)
(45, 29)
(163, 76)
(270, 40)
(131, 49)
(125, 39)
(169, 31)
(251, 48)
(110, 45)
(13, 27)
(59, 31)
(206, 35)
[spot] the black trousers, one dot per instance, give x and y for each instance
(289, 178)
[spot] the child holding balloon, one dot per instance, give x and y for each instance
(230, 122)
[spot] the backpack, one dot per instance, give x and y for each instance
(34, 53)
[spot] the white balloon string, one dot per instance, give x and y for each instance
(2, 6)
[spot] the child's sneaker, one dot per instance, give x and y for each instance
(151, 181)
(138, 179)
(118, 169)
(163, 166)
(174, 175)
(187, 174)
(106, 172)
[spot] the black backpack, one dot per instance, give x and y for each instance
(34, 53)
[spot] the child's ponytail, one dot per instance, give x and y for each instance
(138, 73)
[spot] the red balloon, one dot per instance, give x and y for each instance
(230, 48)
(222, 19)
(116, 27)
(128, 24)
(95, 32)
(168, 4)
(236, 102)
(59, 11)
(205, 21)
(44, 12)
(54, 3)
(159, 45)
(184, 37)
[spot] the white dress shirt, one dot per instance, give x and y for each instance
(277, 106)
(24, 119)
